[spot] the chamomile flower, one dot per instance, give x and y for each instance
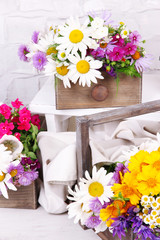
(6, 183)
(62, 72)
(97, 185)
(73, 36)
(125, 33)
(145, 200)
(62, 55)
(84, 70)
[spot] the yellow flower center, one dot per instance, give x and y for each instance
(2, 176)
(151, 182)
(157, 165)
(62, 70)
(83, 66)
(13, 173)
(125, 32)
(122, 23)
(96, 189)
(158, 220)
(145, 211)
(63, 55)
(154, 204)
(103, 45)
(51, 50)
(76, 36)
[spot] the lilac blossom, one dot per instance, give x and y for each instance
(35, 37)
(25, 179)
(93, 222)
(22, 52)
(95, 205)
(135, 37)
(39, 60)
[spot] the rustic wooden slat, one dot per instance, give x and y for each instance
(82, 144)
(121, 113)
(129, 93)
(25, 197)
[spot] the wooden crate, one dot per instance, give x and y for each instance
(103, 94)
(83, 123)
(25, 197)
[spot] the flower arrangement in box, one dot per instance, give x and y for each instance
(125, 198)
(77, 52)
(18, 145)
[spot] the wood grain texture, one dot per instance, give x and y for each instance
(129, 93)
(25, 197)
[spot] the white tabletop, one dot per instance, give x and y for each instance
(44, 101)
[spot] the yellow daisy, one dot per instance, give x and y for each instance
(148, 181)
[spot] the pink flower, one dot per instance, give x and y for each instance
(24, 118)
(16, 104)
(35, 120)
(5, 110)
(25, 111)
(24, 126)
(5, 128)
(130, 49)
(135, 37)
(117, 54)
(118, 40)
(17, 135)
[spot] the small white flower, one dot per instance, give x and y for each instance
(125, 33)
(97, 23)
(62, 55)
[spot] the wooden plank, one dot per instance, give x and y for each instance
(129, 93)
(25, 197)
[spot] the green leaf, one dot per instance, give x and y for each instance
(90, 18)
(31, 155)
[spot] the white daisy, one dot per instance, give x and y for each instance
(5, 158)
(84, 69)
(62, 73)
(74, 36)
(12, 144)
(5, 183)
(97, 185)
(75, 209)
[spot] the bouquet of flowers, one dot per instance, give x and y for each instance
(76, 52)
(124, 199)
(18, 146)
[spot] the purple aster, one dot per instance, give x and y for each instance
(93, 222)
(135, 37)
(130, 49)
(117, 54)
(39, 60)
(35, 37)
(105, 15)
(25, 179)
(22, 51)
(15, 170)
(143, 63)
(95, 205)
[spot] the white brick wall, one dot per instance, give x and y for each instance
(19, 18)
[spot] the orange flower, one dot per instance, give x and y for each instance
(114, 210)
(136, 56)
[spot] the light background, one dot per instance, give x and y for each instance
(19, 18)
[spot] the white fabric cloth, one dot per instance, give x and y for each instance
(107, 142)
(58, 152)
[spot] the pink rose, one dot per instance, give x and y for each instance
(5, 110)
(16, 104)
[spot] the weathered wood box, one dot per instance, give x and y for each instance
(84, 160)
(25, 197)
(101, 95)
